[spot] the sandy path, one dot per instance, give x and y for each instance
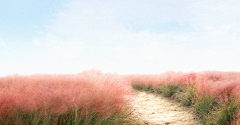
(157, 110)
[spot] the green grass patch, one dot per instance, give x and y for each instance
(70, 118)
(204, 105)
(147, 88)
(187, 96)
(169, 90)
(138, 87)
(225, 115)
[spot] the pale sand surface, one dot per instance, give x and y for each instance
(154, 109)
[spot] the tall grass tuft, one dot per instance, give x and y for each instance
(204, 106)
(168, 90)
(188, 96)
(226, 114)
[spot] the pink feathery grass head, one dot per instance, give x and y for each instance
(188, 78)
(203, 87)
(7, 105)
(225, 92)
(222, 85)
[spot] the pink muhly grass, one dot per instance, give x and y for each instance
(219, 84)
(189, 78)
(90, 91)
(210, 83)
(7, 105)
(225, 92)
(203, 86)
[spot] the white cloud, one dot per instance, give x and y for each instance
(66, 51)
(129, 36)
(4, 45)
(36, 42)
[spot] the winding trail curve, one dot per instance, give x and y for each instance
(154, 109)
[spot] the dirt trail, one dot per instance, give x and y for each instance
(156, 110)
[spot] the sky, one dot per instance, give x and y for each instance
(118, 36)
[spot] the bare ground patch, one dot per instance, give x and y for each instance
(154, 109)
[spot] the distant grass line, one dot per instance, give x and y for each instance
(214, 96)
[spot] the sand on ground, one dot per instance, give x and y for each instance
(152, 109)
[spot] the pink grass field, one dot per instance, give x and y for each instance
(90, 91)
(212, 83)
(95, 92)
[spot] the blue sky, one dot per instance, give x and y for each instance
(132, 36)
